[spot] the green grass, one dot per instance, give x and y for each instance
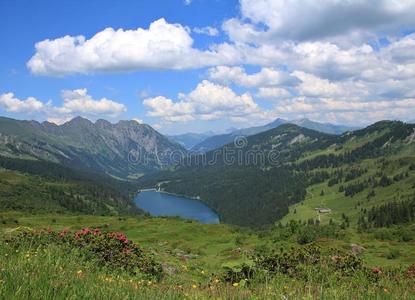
(171, 238)
(51, 273)
(376, 250)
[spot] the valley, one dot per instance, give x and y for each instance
(314, 210)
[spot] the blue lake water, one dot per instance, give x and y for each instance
(163, 204)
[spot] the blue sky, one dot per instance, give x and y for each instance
(207, 64)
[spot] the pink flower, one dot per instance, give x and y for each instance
(376, 270)
(85, 231)
(64, 232)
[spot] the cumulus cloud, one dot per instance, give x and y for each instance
(161, 46)
(28, 106)
(313, 86)
(75, 102)
(346, 111)
(208, 30)
(311, 57)
(208, 101)
(79, 102)
(237, 75)
(273, 93)
(312, 20)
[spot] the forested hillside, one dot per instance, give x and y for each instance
(295, 160)
(41, 186)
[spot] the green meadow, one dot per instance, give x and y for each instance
(195, 259)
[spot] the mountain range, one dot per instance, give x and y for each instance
(218, 141)
(275, 169)
(126, 149)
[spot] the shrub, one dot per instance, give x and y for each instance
(306, 236)
(393, 254)
(405, 235)
(237, 273)
(111, 250)
(383, 234)
(303, 261)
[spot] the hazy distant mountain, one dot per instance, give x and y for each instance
(323, 127)
(217, 141)
(188, 140)
(124, 149)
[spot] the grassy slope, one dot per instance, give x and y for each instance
(376, 250)
(47, 274)
(210, 245)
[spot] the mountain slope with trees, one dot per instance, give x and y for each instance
(295, 159)
(41, 186)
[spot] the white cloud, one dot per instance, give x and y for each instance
(79, 102)
(208, 30)
(139, 121)
(237, 75)
(75, 102)
(208, 101)
(161, 46)
(273, 93)
(311, 56)
(312, 20)
(59, 119)
(168, 110)
(12, 104)
(313, 86)
(346, 111)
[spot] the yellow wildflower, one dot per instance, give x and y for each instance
(194, 286)
(235, 284)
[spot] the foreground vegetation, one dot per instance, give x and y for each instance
(195, 261)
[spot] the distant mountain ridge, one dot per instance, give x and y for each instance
(217, 141)
(189, 140)
(126, 149)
